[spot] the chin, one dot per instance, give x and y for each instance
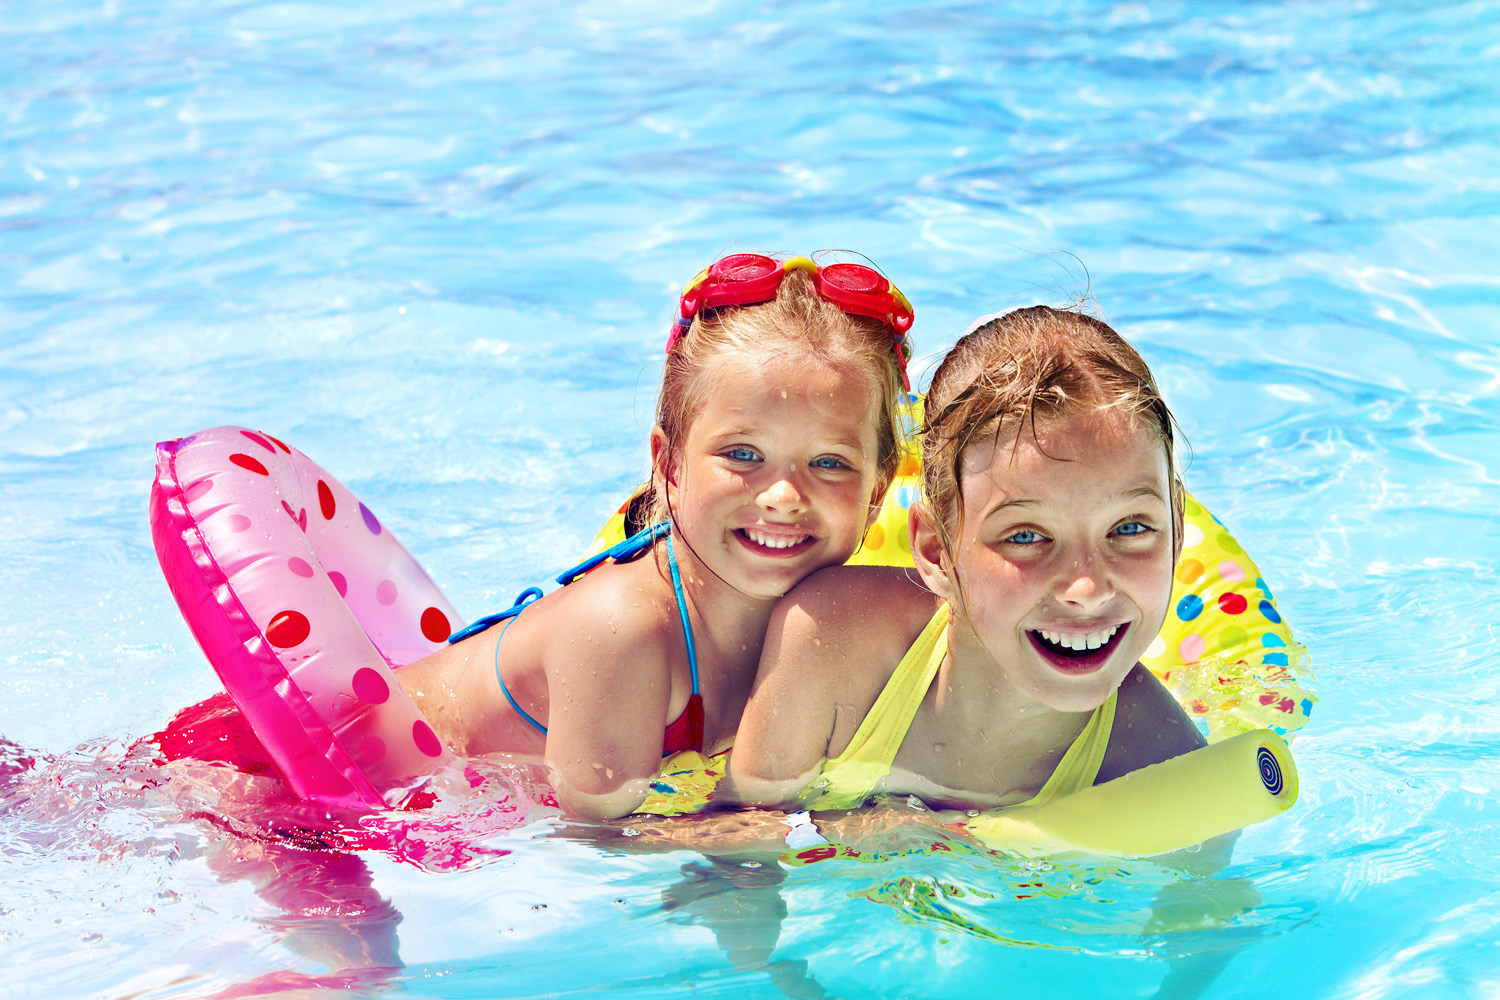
(1075, 701)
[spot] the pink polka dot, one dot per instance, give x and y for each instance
(1231, 572)
(198, 490)
(339, 583)
(299, 566)
(299, 516)
(425, 739)
(238, 523)
(369, 687)
(385, 592)
(259, 440)
(1191, 648)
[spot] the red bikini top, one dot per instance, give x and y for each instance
(686, 733)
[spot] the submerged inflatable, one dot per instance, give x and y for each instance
(305, 603)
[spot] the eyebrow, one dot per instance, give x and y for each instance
(1138, 493)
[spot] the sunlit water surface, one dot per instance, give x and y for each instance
(435, 244)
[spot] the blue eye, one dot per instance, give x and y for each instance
(829, 462)
(1026, 536)
(1133, 528)
(741, 455)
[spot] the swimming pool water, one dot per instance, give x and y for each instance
(435, 245)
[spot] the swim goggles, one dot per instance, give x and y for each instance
(747, 279)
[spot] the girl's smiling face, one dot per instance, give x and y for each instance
(1064, 553)
(778, 471)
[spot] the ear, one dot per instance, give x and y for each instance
(927, 551)
(664, 464)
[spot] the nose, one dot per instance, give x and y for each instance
(1085, 582)
(782, 494)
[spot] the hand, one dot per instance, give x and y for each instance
(716, 832)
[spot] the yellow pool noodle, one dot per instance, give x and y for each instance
(1164, 807)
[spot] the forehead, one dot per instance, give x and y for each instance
(1100, 451)
(790, 382)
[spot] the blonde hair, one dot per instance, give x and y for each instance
(1030, 364)
(797, 319)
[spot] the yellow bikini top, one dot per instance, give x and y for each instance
(852, 777)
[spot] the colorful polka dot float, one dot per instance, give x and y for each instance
(322, 605)
(1215, 650)
(1236, 664)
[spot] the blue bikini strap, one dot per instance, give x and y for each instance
(632, 546)
(629, 548)
(511, 615)
(478, 625)
(682, 610)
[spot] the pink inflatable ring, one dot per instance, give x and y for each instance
(303, 602)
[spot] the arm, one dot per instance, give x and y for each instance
(831, 646)
(788, 721)
(1150, 727)
(608, 685)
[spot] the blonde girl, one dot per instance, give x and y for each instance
(774, 442)
(1006, 668)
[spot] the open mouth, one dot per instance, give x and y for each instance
(1077, 652)
(778, 545)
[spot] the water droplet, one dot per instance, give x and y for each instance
(939, 747)
(538, 906)
(749, 864)
(630, 831)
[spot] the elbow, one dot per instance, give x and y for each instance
(622, 800)
(746, 785)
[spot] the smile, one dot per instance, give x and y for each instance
(780, 543)
(1077, 652)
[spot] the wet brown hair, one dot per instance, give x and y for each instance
(796, 320)
(1031, 364)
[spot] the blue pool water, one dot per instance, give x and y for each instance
(435, 244)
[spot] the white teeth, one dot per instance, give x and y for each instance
(772, 541)
(1080, 640)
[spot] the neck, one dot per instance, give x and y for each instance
(729, 627)
(976, 692)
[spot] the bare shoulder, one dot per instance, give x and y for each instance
(1150, 727)
(846, 613)
(837, 638)
(841, 623)
(830, 646)
(615, 618)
